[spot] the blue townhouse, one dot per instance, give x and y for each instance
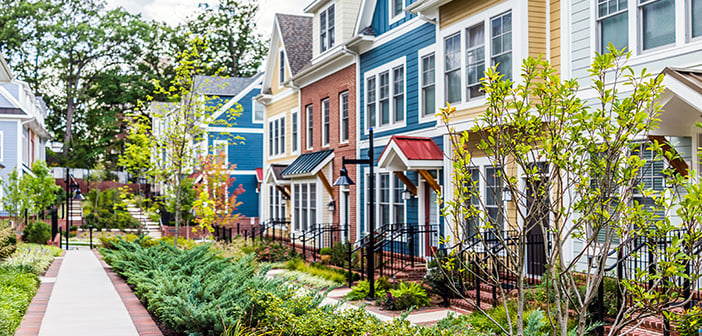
(239, 135)
(396, 97)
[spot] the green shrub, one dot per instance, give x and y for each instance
(688, 322)
(362, 289)
(325, 251)
(317, 269)
(8, 241)
(405, 296)
(444, 277)
(308, 280)
(271, 252)
(37, 232)
(339, 255)
(32, 258)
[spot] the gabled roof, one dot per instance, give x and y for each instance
(296, 31)
(309, 163)
(5, 71)
(692, 78)
(274, 173)
(223, 86)
(411, 153)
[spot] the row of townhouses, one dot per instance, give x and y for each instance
(348, 66)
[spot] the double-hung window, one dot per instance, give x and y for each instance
(310, 126)
(391, 206)
(344, 117)
(428, 85)
(295, 130)
(398, 93)
(452, 68)
(258, 111)
(276, 133)
(695, 14)
(325, 122)
(281, 70)
(650, 176)
(276, 203)
(657, 23)
(613, 24)
(370, 101)
(305, 212)
(395, 9)
(385, 95)
(493, 197)
(475, 60)
(384, 99)
(326, 28)
(501, 55)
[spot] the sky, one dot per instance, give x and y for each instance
(175, 11)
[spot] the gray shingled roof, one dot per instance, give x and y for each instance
(296, 32)
(223, 86)
(307, 162)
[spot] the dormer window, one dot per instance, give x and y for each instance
(326, 28)
(281, 75)
(395, 8)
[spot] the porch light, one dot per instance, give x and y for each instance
(506, 194)
(344, 179)
(78, 195)
(332, 205)
(406, 194)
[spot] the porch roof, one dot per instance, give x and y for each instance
(411, 153)
(309, 163)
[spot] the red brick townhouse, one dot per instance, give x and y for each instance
(328, 122)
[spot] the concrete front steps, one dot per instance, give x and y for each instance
(151, 228)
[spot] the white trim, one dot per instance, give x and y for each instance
(280, 116)
(392, 150)
(519, 48)
(214, 129)
(394, 33)
(325, 130)
(295, 137)
(253, 112)
(309, 139)
(2, 145)
(324, 9)
(421, 54)
(388, 67)
(341, 117)
(394, 19)
(254, 85)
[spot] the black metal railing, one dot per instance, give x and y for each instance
(273, 228)
(319, 236)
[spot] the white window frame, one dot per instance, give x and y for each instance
(295, 131)
(375, 73)
(255, 103)
(2, 145)
(325, 121)
(421, 54)
(344, 138)
(281, 66)
(309, 125)
(297, 208)
(392, 201)
(279, 139)
(329, 40)
(639, 27)
(482, 164)
(391, 9)
(684, 42)
(519, 47)
(225, 144)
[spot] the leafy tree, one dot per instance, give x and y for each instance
(572, 172)
(15, 196)
(230, 28)
(41, 187)
(214, 204)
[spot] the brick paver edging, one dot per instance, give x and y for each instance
(31, 322)
(143, 322)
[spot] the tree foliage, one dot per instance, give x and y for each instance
(215, 204)
(574, 174)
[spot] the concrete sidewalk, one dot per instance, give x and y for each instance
(84, 301)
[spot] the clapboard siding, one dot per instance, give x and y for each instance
(456, 11)
(404, 46)
(249, 198)
(284, 105)
(580, 38)
(381, 18)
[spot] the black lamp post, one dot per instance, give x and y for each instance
(71, 184)
(345, 180)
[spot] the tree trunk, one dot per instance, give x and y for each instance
(177, 207)
(70, 111)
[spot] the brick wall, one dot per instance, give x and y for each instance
(330, 87)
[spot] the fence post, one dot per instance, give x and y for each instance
(237, 229)
(90, 228)
(476, 280)
(411, 243)
(60, 229)
(231, 237)
(304, 247)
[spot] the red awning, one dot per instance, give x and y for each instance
(259, 174)
(412, 153)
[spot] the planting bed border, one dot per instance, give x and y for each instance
(31, 321)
